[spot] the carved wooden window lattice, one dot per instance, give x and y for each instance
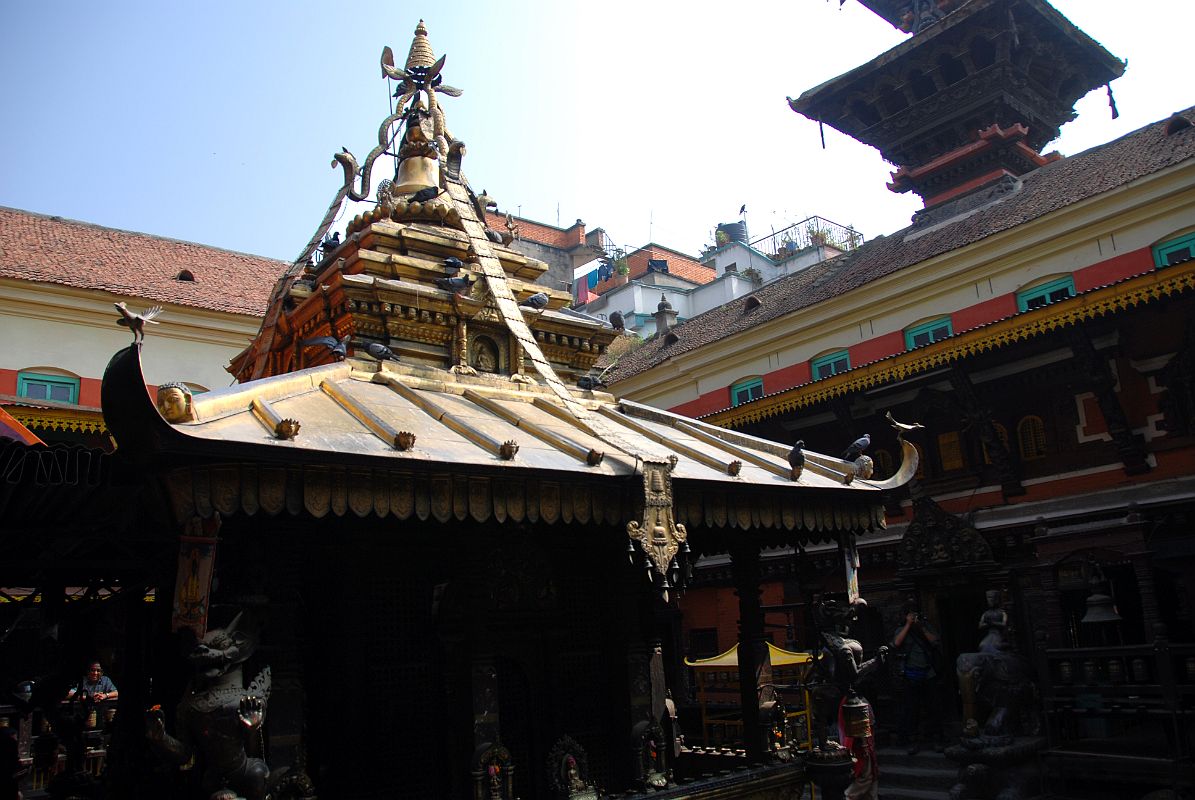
(1031, 438)
(950, 451)
(884, 465)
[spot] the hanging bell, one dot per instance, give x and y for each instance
(1100, 608)
(631, 551)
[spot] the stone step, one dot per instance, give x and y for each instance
(887, 793)
(931, 778)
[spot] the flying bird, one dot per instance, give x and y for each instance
(537, 301)
(616, 321)
(380, 351)
(453, 264)
(339, 347)
(857, 447)
(456, 284)
(136, 322)
(796, 458)
(423, 195)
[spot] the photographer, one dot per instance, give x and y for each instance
(917, 646)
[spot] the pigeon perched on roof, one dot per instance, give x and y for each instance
(423, 195)
(331, 243)
(616, 321)
(380, 351)
(589, 383)
(857, 447)
(796, 458)
(457, 285)
(453, 265)
(339, 347)
(537, 301)
(494, 236)
(136, 322)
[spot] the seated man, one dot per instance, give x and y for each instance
(96, 684)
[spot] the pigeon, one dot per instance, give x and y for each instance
(796, 458)
(493, 236)
(456, 284)
(331, 243)
(590, 383)
(453, 264)
(380, 351)
(537, 301)
(423, 195)
(136, 322)
(339, 347)
(857, 447)
(616, 321)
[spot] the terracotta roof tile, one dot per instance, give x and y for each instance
(679, 264)
(36, 247)
(1045, 190)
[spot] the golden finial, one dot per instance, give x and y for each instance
(421, 54)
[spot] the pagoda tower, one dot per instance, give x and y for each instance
(970, 100)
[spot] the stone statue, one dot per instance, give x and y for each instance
(995, 676)
(219, 720)
(174, 402)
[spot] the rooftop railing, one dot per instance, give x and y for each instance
(810, 232)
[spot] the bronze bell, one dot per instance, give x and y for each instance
(1100, 608)
(415, 173)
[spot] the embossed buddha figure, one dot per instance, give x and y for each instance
(174, 402)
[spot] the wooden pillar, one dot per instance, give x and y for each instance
(755, 663)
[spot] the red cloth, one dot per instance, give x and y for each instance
(864, 748)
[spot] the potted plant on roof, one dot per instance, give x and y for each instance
(621, 271)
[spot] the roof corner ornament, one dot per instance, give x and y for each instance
(136, 322)
(660, 537)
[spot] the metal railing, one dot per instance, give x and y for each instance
(809, 232)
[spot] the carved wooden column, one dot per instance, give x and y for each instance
(1129, 446)
(755, 663)
(980, 416)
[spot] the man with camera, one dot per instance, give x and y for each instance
(917, 647)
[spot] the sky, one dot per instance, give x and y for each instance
(215, 122)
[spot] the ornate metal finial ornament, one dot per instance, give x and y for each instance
(660, 536)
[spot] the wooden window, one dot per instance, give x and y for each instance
(830, 364)
(1046, 293)
(1031, 438)
(1175, 251)
(884, 466)
(703, 643)
(746, 391)
(48, 387)
(1002, 434)
(950, 451)
(927, 333)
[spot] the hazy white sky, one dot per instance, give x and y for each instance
(215, 121)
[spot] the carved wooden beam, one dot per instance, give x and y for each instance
(1129, 446)
(980, 416)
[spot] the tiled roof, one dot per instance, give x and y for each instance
(35, 247)
(1045, 190)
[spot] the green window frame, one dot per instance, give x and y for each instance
(1175, 251)
(928, 333)
(830, 364)
(58, 388)
(746, 391)
(1045, 294)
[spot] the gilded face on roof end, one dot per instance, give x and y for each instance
(174, 402)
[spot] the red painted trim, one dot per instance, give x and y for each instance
(874, 349)
(982, 313)
(967, 186)
(8, 381)
(705, 404)
(781, 379)
(1114, 269)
